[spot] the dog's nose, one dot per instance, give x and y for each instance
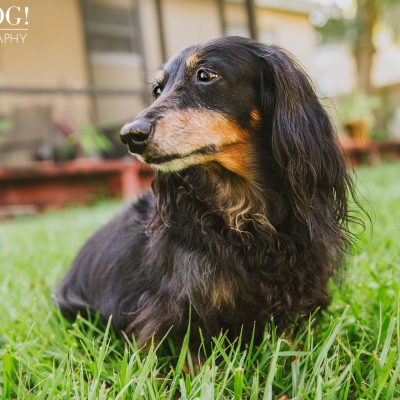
(135, 134)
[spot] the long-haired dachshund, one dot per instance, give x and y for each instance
(248, 216)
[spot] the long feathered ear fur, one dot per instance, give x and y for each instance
(304, 145)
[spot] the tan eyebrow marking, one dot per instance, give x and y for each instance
(192, 60)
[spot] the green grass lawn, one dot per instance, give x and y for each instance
(352, 352)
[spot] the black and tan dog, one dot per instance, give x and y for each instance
(248, 215)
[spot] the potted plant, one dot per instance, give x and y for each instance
(86, 140)
(5, 126)
(356, 115)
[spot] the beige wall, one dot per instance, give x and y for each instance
(151, 44)
(293, 32)
(54, 52)
(188, 22)
(52, 55)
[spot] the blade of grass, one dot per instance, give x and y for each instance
(181, 360)
(388, 340)
(271, 373)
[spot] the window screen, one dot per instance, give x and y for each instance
(110, 29)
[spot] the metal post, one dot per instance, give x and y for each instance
(93, 109)
(221, 15)
(161, 32)
(251, 17)
(136, 17)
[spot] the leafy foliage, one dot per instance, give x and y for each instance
(91, 139)
(342, 27)
(358, 106)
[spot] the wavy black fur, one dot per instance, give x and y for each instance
(179, 245)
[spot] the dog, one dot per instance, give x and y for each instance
(248, 215)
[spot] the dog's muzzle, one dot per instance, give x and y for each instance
(136, 134)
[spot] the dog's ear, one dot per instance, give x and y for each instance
(304, 143)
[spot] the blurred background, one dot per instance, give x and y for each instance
(85, 67)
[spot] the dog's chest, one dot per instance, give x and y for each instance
(211, 283)
(204, 268)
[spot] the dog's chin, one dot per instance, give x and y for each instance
(179, 164)
(167, 163)
(176, 161)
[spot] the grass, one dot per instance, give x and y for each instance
(352, 352)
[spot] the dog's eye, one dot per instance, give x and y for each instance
(205, 76)
(157, 90)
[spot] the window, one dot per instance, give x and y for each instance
(110, 30)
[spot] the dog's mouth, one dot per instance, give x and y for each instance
(159, 159)
(177, 161)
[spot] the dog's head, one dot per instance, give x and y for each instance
(207, 105)
(246, 106)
